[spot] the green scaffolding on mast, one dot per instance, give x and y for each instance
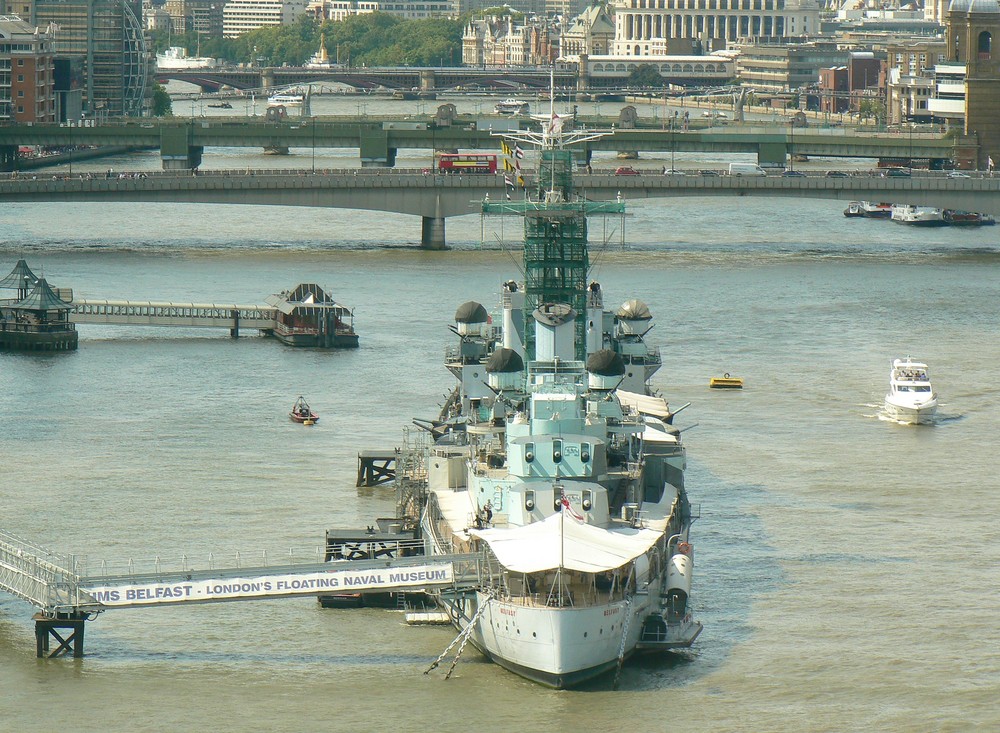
(555, 250)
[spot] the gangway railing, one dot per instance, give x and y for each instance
(192, 315)
(67, 592)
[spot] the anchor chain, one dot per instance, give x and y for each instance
(463, 636)
(621, 647)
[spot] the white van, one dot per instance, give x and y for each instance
(746, 169)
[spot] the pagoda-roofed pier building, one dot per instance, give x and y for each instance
(37, 319)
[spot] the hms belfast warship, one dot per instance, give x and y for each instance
(554, 461)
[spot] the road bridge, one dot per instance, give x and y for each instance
(182, 142)
(67, 592)
(435, 197)
(405, 78)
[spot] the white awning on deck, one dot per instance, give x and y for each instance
(564, 541)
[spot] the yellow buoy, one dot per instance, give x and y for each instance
(726, 382)
(308, 422)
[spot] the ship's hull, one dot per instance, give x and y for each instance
(911, 414)
(338, 340)
(555, 647)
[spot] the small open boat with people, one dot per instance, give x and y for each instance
(911, 399)
(302, 413)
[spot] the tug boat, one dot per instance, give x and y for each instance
(911, 399)
(555, 462)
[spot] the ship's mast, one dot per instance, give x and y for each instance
(556, 257)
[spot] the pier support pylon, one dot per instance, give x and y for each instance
(432, 228)
(432, 233)
(49, 627)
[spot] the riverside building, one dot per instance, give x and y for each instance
(643, 26)
(26, 73)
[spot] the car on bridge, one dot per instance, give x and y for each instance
(789, 174)
(836, 174)
(895, 173)
(626, 170)
(958, 174)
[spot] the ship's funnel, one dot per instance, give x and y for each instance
(605, 369)
(513, 317)
(470, 318)
(554, 332)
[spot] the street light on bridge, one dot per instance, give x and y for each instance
(791, 143)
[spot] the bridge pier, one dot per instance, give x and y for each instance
(432, 232)
(374, 148)
(234, 332)
(8, 158)
(176, 149)
(772, 154)
(432, 228)
(48, 628)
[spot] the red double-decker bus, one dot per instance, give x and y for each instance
(467, 163)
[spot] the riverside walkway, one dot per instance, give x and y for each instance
(435, 197)
(67, 592)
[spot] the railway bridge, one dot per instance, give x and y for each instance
(182, 143)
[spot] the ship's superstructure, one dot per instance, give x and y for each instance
(554, 459)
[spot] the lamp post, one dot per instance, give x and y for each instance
(673, 145)
(312, 123)
(909, 160)
(791, 143)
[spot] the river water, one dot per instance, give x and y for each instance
(846, 566)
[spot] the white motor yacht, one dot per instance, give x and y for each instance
(511, 106)
(911, 398)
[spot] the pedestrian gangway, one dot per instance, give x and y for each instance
(67, 592)
(191, 315)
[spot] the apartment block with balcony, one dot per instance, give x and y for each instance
(27, 62)
(910, 79)
(786, 68)
(948, 102)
